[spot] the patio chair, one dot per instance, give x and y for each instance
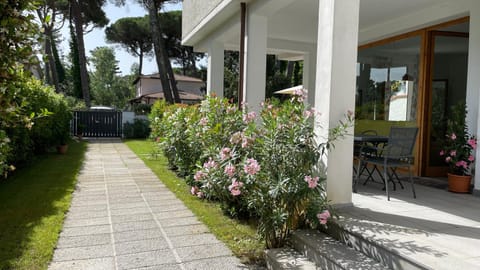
(365, 149)
(396, 154)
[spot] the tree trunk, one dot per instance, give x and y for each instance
(159, 47)
(171, 78)
(140, 62)
(78, 20)
(51, 59)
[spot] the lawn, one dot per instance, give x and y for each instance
(241, 238)
(33, 203)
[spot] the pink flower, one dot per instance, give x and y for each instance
(349, 113)
(453, 136)
(442, 153)
(471, 158)
(462, 163)
(251, 167)
(323, 217)
(203, 121)
(448, 159)
(200, 194)
(269, 107)
(472, 143)
(210, 164)
(229, 170)
(199, 175)
(312, 181)
(453, 153)
(246, 141)
(231, 109)
(235, 187)
(225, 153)
(249, 117)
(307, 114)
(194, 190)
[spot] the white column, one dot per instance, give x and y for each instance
(215, 69)
(255, 61)
(473, 84)
(335, 88)
(309, 73)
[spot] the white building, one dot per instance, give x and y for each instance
(353, 52)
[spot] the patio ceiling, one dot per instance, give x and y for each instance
(296, 21)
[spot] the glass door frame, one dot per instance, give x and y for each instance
(427, 169)
(426, 35)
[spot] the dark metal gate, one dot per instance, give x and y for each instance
(97, 123)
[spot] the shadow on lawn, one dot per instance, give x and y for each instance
(33, 203)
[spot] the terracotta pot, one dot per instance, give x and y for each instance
(459, 183)
(62, 149)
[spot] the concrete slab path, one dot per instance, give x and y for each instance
(123, 217)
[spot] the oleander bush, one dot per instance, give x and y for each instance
(256, 166)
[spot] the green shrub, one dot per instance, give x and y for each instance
(140, 128)
(47, 130)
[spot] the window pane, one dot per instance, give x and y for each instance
(387, 85)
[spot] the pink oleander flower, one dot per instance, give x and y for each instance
(210, 164)
(262, 104)
(199, 175)
(269, 106)
(194, 190)
(225, 153)
(471, 158)
(235, 187)
(249, 117)
(236, 138)
(323, 217)
(453, 153)
(251, 166)
(453, 136)
(462, 163)
(200, 195)
(442, 153)
(307, 114)
(203, 121)
(229, 170)
(448, 159)
(472, 143)
(312, 181)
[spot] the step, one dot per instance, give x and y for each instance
(389, 257)
(328, 253)
(287, 259)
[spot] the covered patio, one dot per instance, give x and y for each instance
(438, 230)
(344, 46)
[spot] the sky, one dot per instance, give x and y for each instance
(96, 38)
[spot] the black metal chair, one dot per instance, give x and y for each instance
(396, 154)
(365, 149)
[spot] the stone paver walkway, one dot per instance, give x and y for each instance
(123, 217)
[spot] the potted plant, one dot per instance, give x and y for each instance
(458, 150)
(80, 128)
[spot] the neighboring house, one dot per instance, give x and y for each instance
(354, 52)
(148, 89)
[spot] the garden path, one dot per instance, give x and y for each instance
(123, 217)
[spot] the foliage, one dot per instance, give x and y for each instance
(45, 132)
(33, 204)
(108, 88)
(239, 236)
(138, 129)
(142, 108)
(459, 144)
(266, 171)
(134, 35)
(19, 32)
